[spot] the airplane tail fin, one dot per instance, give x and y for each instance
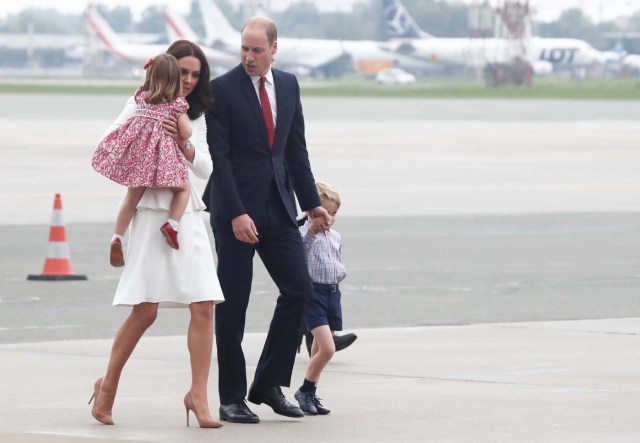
(177, 26)
(216, 26)
(399, 22)
(99, 27)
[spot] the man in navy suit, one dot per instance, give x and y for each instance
(256, 137)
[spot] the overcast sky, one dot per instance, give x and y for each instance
(545, 9)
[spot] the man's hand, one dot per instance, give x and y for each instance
(325, 218)
(244, 229)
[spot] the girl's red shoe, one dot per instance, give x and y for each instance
(170, 235)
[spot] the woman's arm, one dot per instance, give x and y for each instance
(184, 129)
(198, 155)
(200, 164)
(182, 136)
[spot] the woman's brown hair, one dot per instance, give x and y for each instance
(162, 81)
(200, 97)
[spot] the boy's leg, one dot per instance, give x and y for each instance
(322, 350)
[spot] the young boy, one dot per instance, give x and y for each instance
(324, 312)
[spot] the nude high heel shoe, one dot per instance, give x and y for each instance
(102, 418)
(188, 405)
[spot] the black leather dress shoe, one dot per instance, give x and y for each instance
(343, 341)
(238, 413)
(340, 341)
(275, 398)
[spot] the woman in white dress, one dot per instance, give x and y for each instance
(157, 275)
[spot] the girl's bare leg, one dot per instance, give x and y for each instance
(179, 201)
(128, 209)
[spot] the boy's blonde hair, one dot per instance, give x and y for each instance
(325, 190)
(162, 82)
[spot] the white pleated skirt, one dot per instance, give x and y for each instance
(156, 273)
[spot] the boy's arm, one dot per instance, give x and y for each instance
(309, 231)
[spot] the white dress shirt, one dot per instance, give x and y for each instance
(324, 255)
(271, 92)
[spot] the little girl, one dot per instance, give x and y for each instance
(139, 154)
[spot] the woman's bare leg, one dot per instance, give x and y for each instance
(200, 344)
(142, 316)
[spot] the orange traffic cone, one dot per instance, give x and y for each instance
(57, 265)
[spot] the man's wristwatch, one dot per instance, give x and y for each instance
(187, 145)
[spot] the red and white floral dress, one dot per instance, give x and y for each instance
(139, 153)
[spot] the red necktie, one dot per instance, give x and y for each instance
(266, 111)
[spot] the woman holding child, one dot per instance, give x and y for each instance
(157, 275)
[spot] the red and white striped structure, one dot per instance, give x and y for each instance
(57, 265)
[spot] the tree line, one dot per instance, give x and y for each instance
(303, 19)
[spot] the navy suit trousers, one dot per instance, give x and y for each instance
(282, 252)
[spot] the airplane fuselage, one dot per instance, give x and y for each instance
(479, 52)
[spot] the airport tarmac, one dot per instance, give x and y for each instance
(541, 382)
(482, 214)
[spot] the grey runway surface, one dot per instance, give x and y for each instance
(412, 271)
(475, 214)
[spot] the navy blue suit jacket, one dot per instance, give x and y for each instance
(243, 164)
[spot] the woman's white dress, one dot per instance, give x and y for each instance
(153, 271)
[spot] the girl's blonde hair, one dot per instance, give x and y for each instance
(162, 82)
(325, 190)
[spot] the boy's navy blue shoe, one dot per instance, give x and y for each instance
(310, 403)
(321, 409)
(305, 400)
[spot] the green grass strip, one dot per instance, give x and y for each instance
(600, 89)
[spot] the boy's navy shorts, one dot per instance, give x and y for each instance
(324, 308)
